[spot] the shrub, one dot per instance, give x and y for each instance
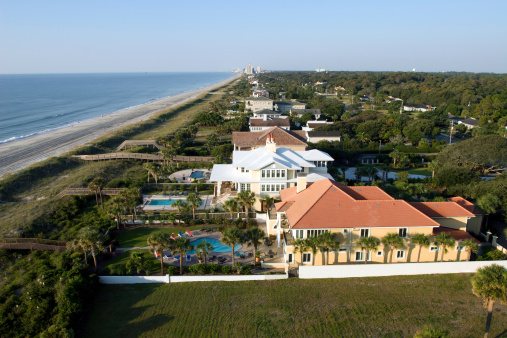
(198, 269)
(171, 270)
(214, 269)
(247, 269)
(118, 269)
(226, 269)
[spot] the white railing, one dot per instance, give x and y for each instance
(399, 269)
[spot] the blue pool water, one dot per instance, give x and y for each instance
(197, 174)
(217, 245)
(161, 202)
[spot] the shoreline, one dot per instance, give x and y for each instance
(19, 154)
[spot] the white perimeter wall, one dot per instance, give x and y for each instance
(378, 270)
(180, 279)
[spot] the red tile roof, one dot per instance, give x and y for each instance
(458, 235)
(329, 204)
(282, 137)
(465, 204)
(442, 209)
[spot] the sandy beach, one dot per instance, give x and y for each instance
(20, 154)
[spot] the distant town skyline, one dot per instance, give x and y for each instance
(160, 36)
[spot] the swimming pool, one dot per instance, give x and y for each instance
(197, 174)
(161, 202)
(217, 245)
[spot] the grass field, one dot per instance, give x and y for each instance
(356, 307)
(420, 171)
(138, 237)
(154, 264)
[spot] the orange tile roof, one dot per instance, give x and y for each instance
(329, 204)
(458, 235)
(282, 137)
(442, 209)
(465, 204)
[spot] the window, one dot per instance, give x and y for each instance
(242, 169)
(360, 256)
(402, 232)
(345, 231)
(342, 250)
(380, 253)
(289, 258)
(263, 173)
(278, 173)
(400, 254)
(307, 257)
(245, 186)
(365, 232)
(433, 248)
(460, 248)
(272, 187)
(314, 233)
(283, 173)
(300, 233)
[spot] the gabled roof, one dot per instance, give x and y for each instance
(465, 204)
(442, 209)
(268, 112)
(259, 122)
(282, 137)
(329, 204)
(260, 98)
(259, 158)
(470, 121)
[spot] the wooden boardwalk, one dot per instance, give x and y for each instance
(32, 244)
(143, 157)
(86, 191)
(137, 143)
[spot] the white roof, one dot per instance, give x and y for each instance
(259, 158)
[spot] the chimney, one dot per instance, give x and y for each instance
(301, 182)
(264, 117)
(270, 144)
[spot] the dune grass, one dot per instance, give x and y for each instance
(356, 307)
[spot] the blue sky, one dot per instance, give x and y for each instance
(134, 36)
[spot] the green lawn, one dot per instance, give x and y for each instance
(138, 237)
(420, 171)
(356, 307)
(124, 258)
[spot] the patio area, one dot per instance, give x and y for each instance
(165, 202)
(188, 175)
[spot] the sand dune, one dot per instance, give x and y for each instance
(19, 154)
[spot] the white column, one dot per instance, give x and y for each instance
(278, 227)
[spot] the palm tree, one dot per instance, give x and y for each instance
(231, 237)
(75, 245)
(181, 205)
(171, 217)
(181, 246)
(231, 205)
(471, 247)
(212, 141)
(444, 240)
(96, 186)
(328, 242)
(395, 155)
(421, 240)
(130, 197)
(369, 244)
(136, 261)
(300, 246)
(433, 166)
(270, 201)
(312, 243)
(90, 239)
(490, 283)
(370, 171)
(204, 248)
(159, 241)
(116, 208)
(246, 199)
(360, 172)
(194, 202)
(393, 241)
(254, 237)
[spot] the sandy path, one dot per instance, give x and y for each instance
(22, 153)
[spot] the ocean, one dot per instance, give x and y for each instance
(40, 103)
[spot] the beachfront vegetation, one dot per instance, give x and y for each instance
(356, 307)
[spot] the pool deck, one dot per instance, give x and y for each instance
(147, 198)
(184, 175)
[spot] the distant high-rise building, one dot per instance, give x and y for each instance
(258, 69)
(249, 70)
(320, 70)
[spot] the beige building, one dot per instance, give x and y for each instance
(255, 104)
(288, 106)
(308, 210)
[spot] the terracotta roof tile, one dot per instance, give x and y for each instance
(465, 204)
(442, 209)
(329, 204)
(458, 235)
(282, 137)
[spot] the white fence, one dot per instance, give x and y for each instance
(378, 270)
(182, 279)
